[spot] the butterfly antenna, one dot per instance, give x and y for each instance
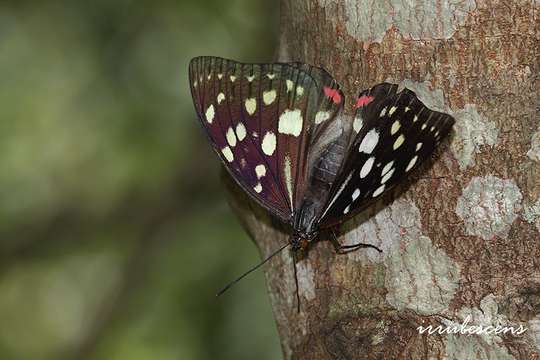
(296, 283)
(251, 270)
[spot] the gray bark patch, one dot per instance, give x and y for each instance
(472, 131)
(368, 20)
(534, 153)
(488, 206)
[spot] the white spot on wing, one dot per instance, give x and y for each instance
(358, 123)
(411, 163)
(415, 118)
(366, 168)
(299, 90)
(392, 110)
(395, 127)
(379, 190)
(258, 188)
(269, 143)
(271, 76)
(290, 122)
(220, 97)
(210, 112)
(227, 152)
(288, 178)
(355, 194)
(250, 78)
(346, 211)
(240, 131)
(340, 190)
(220, 76)
(321, 116)
(289, 85)
(387, 176)
(369, 142)
(260, 170)
(383, 112)
(269, 97)
(418, 146)
(251, 105)
(231, 137)
(387, 167)
(399, 141)
(232, 77)
(424, 126)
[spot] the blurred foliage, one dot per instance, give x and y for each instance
(114, 229)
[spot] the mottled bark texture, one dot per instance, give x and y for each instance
(461, 237)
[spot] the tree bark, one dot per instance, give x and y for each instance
(461, 237)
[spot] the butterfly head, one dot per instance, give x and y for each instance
(300, 240)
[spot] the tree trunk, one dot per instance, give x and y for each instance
(462, 237)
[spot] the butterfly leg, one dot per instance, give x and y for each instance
(344, 249)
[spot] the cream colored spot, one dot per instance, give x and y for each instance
(195, 83)
(290, 122)
(355, 194)
(432, 128)
(289, 85)
(418, 146)
(269, 97)
(210, 112)
(288, 178)
(387, 176)
(369, 142)
(392, 110)
(357, 124)
(231, 137)
(299, 90)
(407, 108)
(220, 98)
(366, 168)
(250, 78)
(269, 143)
(383, 112)
(347, 209)
(424, 126)
(209, 76)
(227, 152)
(321, 116)
(436, 133)
(271, 76)
(219, 76)
(232, 77)
(258, 188)
(387, 167)
(240, 131)
(411, 163)
(379, 190)
(415, 119)
(251, 105)
(399, 141)
(260, 170)
(395, 127)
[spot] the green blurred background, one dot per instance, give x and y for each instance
(114, 229)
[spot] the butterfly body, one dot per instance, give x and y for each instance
(281, 133)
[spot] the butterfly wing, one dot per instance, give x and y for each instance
(260, 119)
(395, 133)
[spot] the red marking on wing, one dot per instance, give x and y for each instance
(332, 93)
(364, 100)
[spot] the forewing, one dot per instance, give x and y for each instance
(259, 119)
(396, 132)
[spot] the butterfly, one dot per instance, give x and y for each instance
(281, 133)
